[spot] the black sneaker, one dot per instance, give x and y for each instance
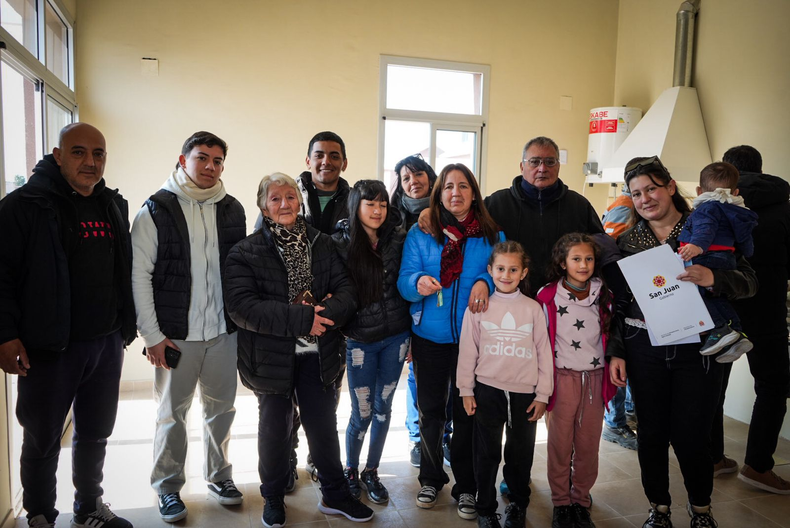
(741, 347)
(446, 453)
(369, 481)
(467, 506)
(488, 521)
(352, 476)
(658, 518)
(701, 520)
(622, 436)
(719, 337)
(311, 469)
(171, 507)
(564, 517)
(582, 516)
(273, 512)
(102, 517)
(350, 507)
(415, 454)
(515, 516)
(225, 492)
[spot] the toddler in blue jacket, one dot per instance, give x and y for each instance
(719, 225)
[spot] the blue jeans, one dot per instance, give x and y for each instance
(373, 371)
(413, 414)
(720, 309)
(621, 403)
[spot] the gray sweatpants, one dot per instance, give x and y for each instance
(212, 366)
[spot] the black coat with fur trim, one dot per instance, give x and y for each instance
(256, 297)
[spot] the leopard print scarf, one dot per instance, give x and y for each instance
(293, 246)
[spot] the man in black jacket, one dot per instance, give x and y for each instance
(764, 319)
(66, 314)
(324, 192)
(538, 208)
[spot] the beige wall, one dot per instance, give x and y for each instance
(742, 75)
(268, 75)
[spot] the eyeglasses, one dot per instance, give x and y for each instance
(652, 161)
(535, 162)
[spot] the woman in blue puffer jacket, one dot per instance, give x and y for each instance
(440, 276)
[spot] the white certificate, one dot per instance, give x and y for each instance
(673, 309)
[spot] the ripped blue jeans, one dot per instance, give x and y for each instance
(373, 371)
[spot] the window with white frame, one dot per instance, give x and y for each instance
(36, 84)
(36, 100)
(437, 109)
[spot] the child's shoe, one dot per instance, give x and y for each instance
(719, 337)
(660, 517)
(564, 517)
(701, 517)
(582, 516)
(741, 347)
(515, 516)
(489, 521)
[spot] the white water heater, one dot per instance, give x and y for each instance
(608, 128)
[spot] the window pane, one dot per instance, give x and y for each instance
(402, 139)
(432, 90)
(453, 146)
(18, 17)
(57, 45)
(21, 126)
(57, 117)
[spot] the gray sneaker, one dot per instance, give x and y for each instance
(741, 347)
(623, 436)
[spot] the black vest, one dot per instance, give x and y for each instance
(172, 278)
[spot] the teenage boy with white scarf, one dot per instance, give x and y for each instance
(180, 239)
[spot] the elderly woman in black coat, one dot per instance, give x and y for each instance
(287, 290)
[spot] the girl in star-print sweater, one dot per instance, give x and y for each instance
(578, 312)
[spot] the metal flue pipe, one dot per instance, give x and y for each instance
(684, 42)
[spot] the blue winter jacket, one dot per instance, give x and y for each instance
(720, 224)
(423, 256)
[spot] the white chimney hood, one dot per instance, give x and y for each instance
(674, 131)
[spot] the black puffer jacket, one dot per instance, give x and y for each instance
(389, 316)
(38, 235)
(766, 312)
(538, 226)
(335, 211)
(256, 297)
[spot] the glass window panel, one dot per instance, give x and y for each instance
(454, 146)
(18, 17)
(402, 139)
(433, 90)
(58, 116)
(57, 45)
(22, 138)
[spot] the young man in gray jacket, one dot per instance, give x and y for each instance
(180, 239)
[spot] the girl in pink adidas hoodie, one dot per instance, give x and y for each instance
(578, 311)
(505, 378)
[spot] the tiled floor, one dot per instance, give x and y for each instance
(618, 498)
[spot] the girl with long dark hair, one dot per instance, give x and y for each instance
(378, 337)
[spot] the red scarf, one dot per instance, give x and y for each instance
(452, 263)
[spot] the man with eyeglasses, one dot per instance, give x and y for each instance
(538, 208)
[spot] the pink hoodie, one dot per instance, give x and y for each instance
(506, 347)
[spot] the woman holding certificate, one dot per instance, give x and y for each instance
(675, 388)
